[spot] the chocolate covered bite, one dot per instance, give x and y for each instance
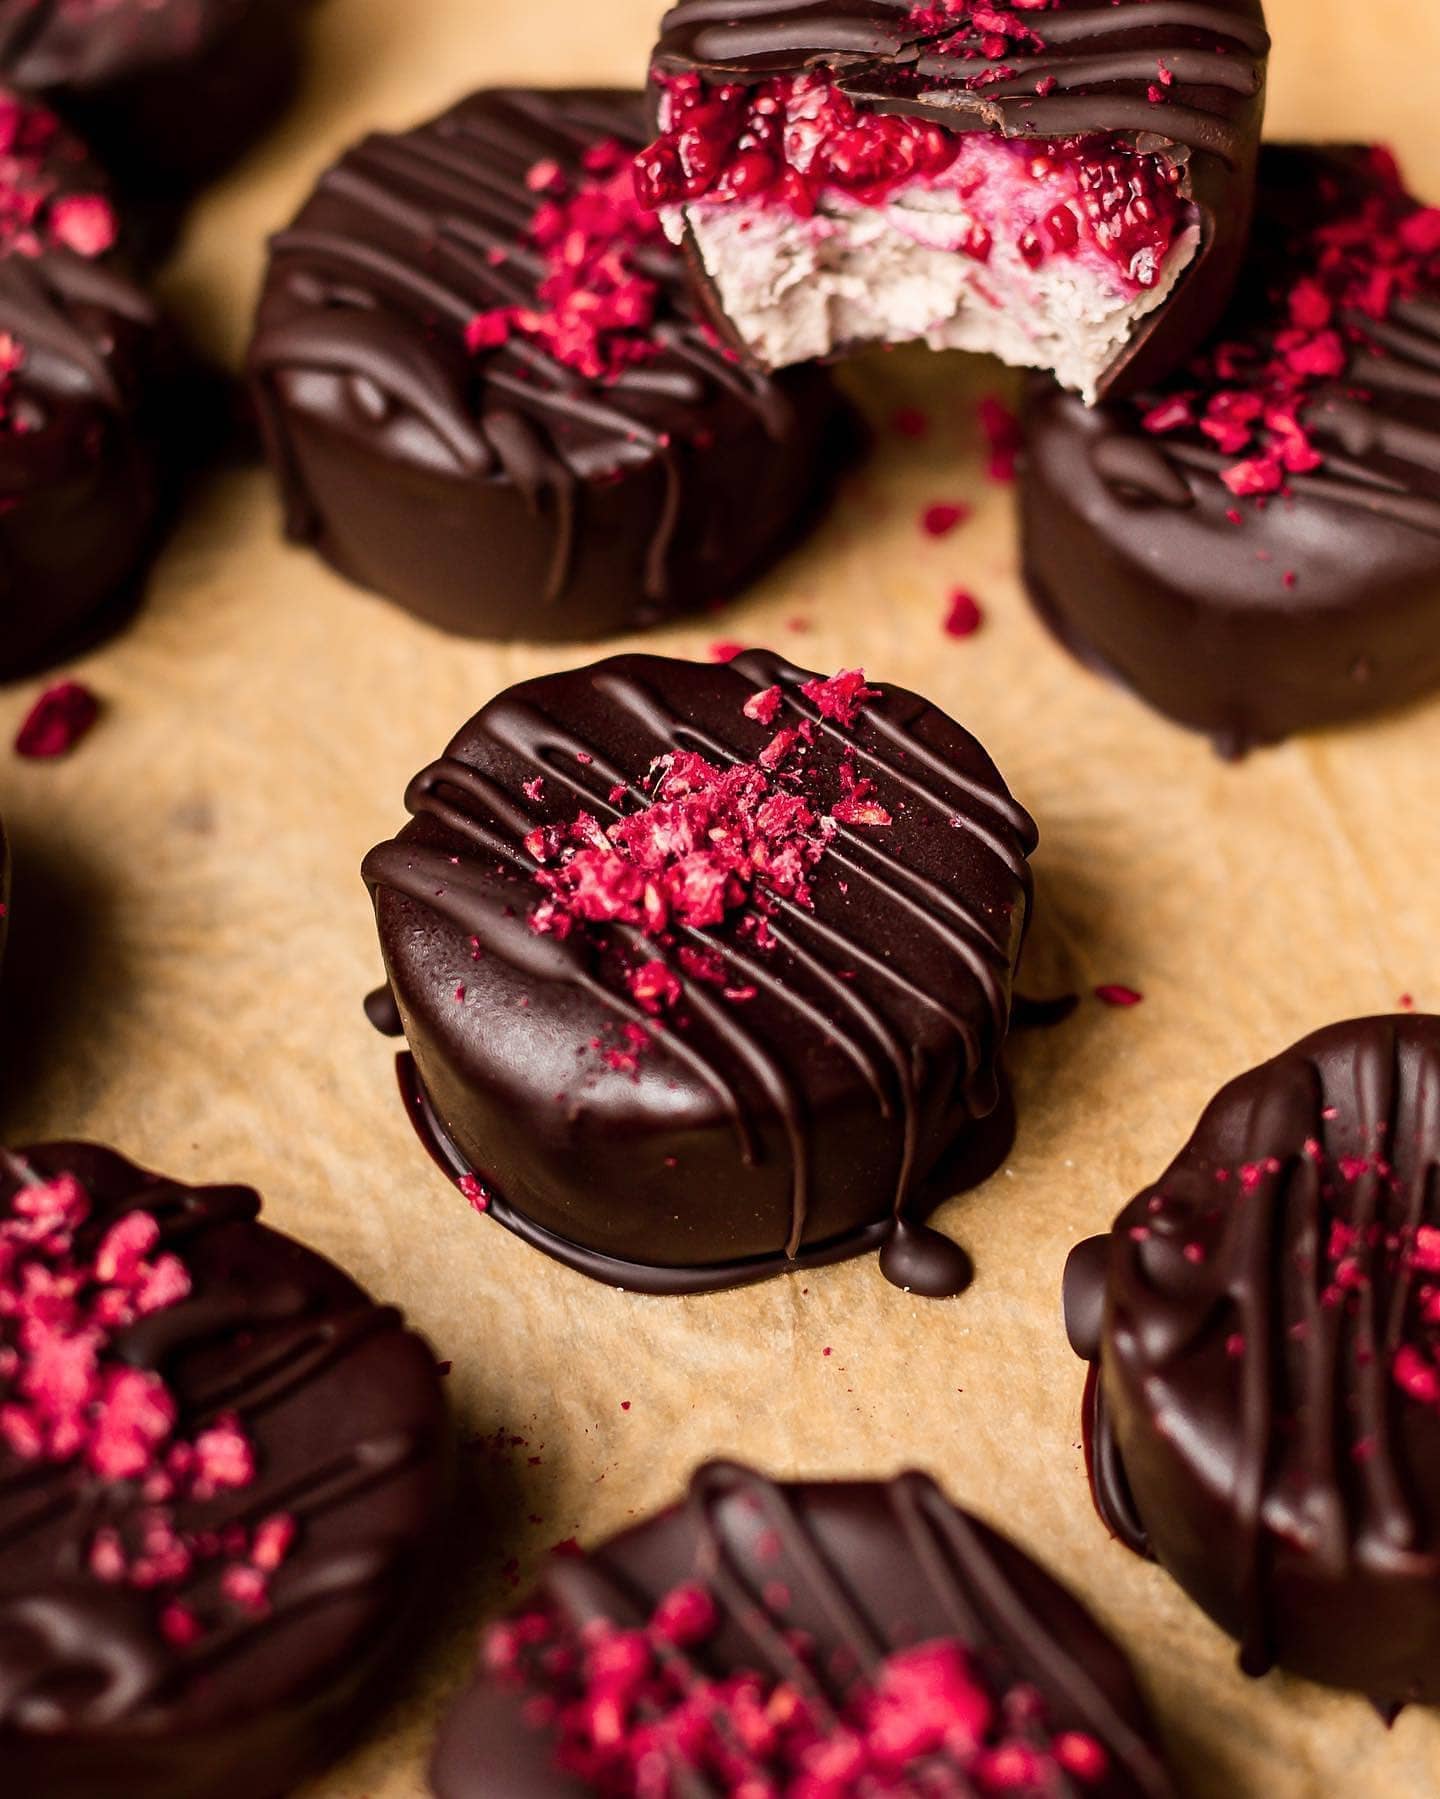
(706, 970)
(169, 90)
(80, 346)
(487, 394)
(1066, 183)
(853, 1638)
(223, 1471)
(1263, 1413)
(1254, 546)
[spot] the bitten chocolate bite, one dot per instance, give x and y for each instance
(1263, 1408)
(80, 345)
(168, 90)
(846, 1638)
(1065, 183)
(487, 394)
(706, 970)
(1253, 547)
(223, 1471)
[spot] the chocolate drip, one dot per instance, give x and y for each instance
(866, 1570)
(1285, 1428)
(831, 977)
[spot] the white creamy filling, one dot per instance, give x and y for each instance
(796, 289)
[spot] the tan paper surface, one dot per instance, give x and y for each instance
(192, 943)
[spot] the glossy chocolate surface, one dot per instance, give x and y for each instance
(1252, 620)
(166, 89)
(1259, 1416)
(1096, 74)
(809, 1105)
(79, 488)
(864, 1570)
(500, 491)
(346, 1416)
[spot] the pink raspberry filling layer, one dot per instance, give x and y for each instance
(822, 226)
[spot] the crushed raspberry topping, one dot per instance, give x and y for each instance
(595, 307)
(69, 1395)
(57, 721)
(788, 140)
(34, 216)
(710, 845)
(1250, 396)
(632, 1712)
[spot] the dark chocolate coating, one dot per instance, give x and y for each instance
(167, 90)
(1317, 609)
(802, 1125)
(1244, 1428)
(79, 485)
(346, 1412)
(868, 1569)
(1103, 58)
(504, 494)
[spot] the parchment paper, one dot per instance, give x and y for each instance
(192, 942)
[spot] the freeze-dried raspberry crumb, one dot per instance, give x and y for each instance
(620, 1701)
(595, 307)
(842, 696)
(941, 518)
(474, 1192)
(910, 421)
(1111, 993)
(84, 223)
(57, 721)
(963, 616)
(725, 649)
(764, 706)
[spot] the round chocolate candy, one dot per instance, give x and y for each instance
(706, 970)
(486, 393)
(867, 1637)
(1263, 1412)
(1254, 546)
(80, 347)
(1067, 184)
(223, 1470)
(168, 90)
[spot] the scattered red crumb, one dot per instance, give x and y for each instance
(69, 1394)
(1111, 993)
(84, 223)
(624, 1405)
(474, 1192)
(964, 616)
(1001, 430)
(725, 650)
(940, 519)
(1250, 397)
(1406, 1002)
(618, 1702)
(57, 721)
(595, 308)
